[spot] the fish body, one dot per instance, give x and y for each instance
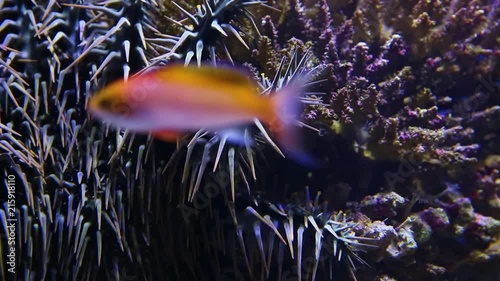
(178, 99)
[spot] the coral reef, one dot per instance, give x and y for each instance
(402, 107)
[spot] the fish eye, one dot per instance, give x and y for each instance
(105, 103)
(114, 105)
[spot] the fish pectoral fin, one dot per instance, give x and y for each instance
(168, 136)
(234, 136)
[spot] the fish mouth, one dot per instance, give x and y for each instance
(92, 105)
(113, 105)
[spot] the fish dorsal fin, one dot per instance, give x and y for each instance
(225, 75)
(217, 75)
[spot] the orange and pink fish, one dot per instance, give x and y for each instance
(175, 100)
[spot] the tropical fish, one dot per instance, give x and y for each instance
(177, 99)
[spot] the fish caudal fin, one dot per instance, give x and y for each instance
(287, 108)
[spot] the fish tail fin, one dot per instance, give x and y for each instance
(287, 108)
